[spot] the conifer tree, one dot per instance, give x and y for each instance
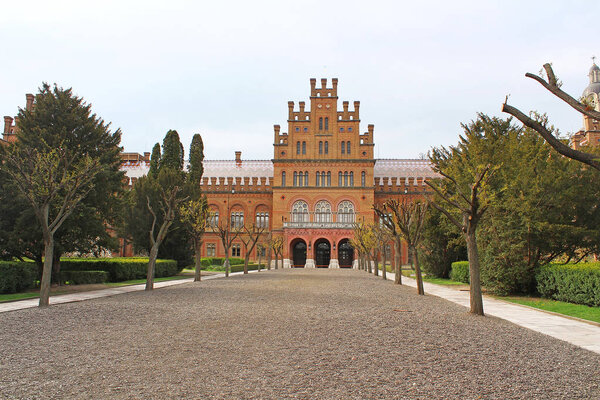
(154, 160)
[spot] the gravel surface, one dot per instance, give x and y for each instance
(300, 334)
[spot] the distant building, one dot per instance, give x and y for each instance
(322, 179)
(590, 134)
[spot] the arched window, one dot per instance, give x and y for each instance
(348, 147)
(323, 211)
(351, 178)
(321, 123)
(326, 147)
(213, 222)
(300, 211)
(326, 123)
(237, 219)
(297, 147)
(343, 147)
(262, 219)
(328, 178)
(340, 177)
(295, 178)
(282, 178)
(303, 147)
(317, 178)
(306, 178)
(345, 211)
(363, 179)
(346, 178)
(321, 147)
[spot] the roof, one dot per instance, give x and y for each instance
(401, 168)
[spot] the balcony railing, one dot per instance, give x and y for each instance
(320, 220)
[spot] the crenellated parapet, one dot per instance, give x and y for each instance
(238, 184)
(323, 91)
(346, 115)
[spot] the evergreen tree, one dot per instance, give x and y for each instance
(172, 152)
(196, 167)
(154, 160)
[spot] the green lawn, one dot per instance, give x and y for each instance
(560, 307)
(34, 294)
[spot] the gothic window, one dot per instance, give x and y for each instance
(343, 147)
(340, 177)
(363, 179)
(235, 250)
(346, 178)
(305, 128)
(350, 129)
(282, 178)
(318, 179)
(295, 178)
(300, 211)
(303, 147)
(351, 178)
(262, 219)
(297, 147)
(345, 212)
(326, 123)
(213, 222)
(237, 219)
(348, 147)
(341, 129)
(328, 178)
(321, 147)
(306, 178)
(210, 249)
(297, 129)
(323, 211)
(321, 123)
(326, 147)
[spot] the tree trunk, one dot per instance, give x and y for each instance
(151, 267)
(376, 259)
(384, 269)
(269, 259)
(198, 263)
(56, 278)
(418, 275)
(476, 298)
(259, 257)
(398, 262)
(46, 271)
(226, 265)
(246, 259)
(369, 265)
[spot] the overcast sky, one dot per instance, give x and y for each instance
(227, 69)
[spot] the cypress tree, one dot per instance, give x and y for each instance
(154, 160)
(172, 156)
(196, 169)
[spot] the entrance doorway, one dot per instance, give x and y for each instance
(299, 254)
(345, 254)
(322, 253)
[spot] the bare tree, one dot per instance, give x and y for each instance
(260, 248)
(382, 211)
(249, 239)
(364, 238)
(553, 86)
(227, 234)
(471, 210)
(53, 182)
(196, 215)
(276, 245)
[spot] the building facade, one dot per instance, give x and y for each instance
(590, 134)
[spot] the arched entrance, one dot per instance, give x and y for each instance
(345, 253)
(299, 253)
(322, 253)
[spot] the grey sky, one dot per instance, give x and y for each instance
(227, 69)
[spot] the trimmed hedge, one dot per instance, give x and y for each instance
(240, 267)
(120, 269)
(459, 271)
(84, 277)
(208, 261)
(16, 276)
(573, 283)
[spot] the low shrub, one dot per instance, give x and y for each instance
(573, 283)
(120, 269)
(84, 277)
(16, 276)
(240, 267)
(460, 271)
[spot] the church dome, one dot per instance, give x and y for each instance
(594, 86)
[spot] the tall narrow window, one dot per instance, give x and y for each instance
(282, 178)
(306, 178)
(326, 123)
(303, 147)
(318, 178)
(295, 178)
(343, 147)
(348, 147)
(340, 177)
(351, 178)
(320, 147)
(210, 249)
(297, 147)
(345, 178)
(326, 147)
(328, 178)
(321, 123)
(363, 179)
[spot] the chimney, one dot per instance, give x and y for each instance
(29, 101)
(334, 83)
(356, 107)
(313, 84)
(7, 124)
(146, 156)
(290, 110)
(238, 158)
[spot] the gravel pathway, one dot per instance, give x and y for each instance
(305, 334)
